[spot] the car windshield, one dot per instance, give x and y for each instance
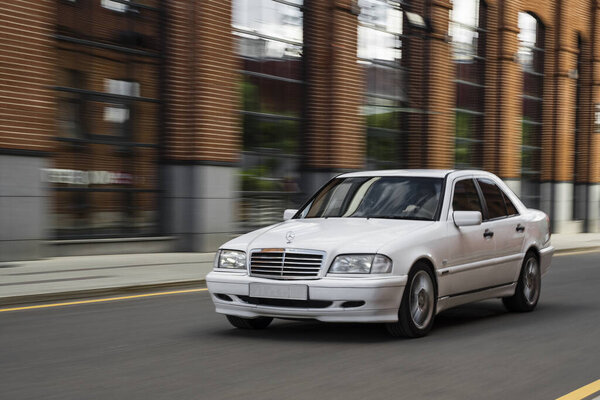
(394, 197)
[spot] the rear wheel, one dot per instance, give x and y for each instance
(247, 323)
(417, 311)
(528, 288)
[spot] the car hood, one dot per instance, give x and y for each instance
(339, 235)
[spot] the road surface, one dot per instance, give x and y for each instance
(176, 347)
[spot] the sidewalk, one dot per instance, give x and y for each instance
(74, 277)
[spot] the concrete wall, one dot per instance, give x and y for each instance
(200, 205)
(24, 207)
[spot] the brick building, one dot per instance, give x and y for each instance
(162, 125)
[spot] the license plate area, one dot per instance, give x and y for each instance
(270, 291)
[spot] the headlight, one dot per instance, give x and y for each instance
(361, 264)
(230, 259)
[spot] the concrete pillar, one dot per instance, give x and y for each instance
(200, 205)
(24, 207)
(593, 208)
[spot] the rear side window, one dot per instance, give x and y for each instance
(466, 197)
(493, 198)
(510, 207)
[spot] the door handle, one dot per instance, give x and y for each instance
(520, 228)
(488, 234)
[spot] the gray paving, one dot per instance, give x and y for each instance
(176, 347)
(80, 274)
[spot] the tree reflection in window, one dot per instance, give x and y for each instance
(380, 33)
(269, 44)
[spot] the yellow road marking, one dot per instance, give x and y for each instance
(72, 303)
(574, 252)
(582, 392)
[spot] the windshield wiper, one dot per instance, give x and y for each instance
(396, 217)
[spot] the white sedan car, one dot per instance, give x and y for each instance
(394, 247)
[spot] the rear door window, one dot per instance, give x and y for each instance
(510, 207)
(493, 198)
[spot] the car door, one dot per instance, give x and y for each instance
(470, 248)
(509, 230)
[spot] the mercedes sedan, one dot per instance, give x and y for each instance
(394, 247)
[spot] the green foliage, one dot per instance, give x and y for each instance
(257, 179)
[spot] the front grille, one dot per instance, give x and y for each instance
(285, 264)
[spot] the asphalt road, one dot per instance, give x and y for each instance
(176, 347)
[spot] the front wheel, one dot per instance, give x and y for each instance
(247, 323)
(417, 311)
(528, 288)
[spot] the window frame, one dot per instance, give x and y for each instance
(534, 151)
(399, 102)
(473, 143)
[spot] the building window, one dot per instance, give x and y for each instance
(117, 114)
(104, 176)
(113, 5)
(380, 33)
(467, 29)
(269, 35)
(531, 57)
(70, 106)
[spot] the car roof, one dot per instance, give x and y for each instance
(433, 173)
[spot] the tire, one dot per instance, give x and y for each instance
(529, 286)
(247, 323)
(417, 310)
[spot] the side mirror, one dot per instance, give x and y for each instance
(466, 218)
(288, 214)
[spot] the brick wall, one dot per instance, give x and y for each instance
(27, 62)
(594, 138)
(202, 96)
(440, 89)
(334, 127)
(180, 80)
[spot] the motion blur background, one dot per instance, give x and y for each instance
(173, 125)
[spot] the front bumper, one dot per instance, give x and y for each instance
(381, 297)
(546, 258)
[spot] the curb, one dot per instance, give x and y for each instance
(82, 294)
(576, 249)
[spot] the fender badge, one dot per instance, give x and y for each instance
(290, 236)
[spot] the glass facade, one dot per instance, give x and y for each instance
(105, 168)
(467, 29)
(269, 35)
(380, 50)
(531, 57)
